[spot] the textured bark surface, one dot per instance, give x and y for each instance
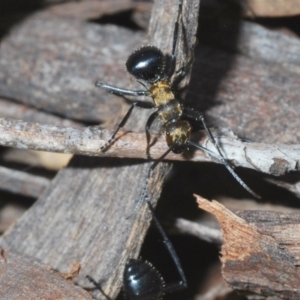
(260, 253)
(34, 280)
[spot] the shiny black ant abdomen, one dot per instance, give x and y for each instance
(142, 281)
(156, 72)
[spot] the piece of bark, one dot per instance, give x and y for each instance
(23, 277)
(83, 214)
(12, 110)
(238, 205)
(246, 78)
(22, 183)
(46, 72)
(260, 253)
(208, 229)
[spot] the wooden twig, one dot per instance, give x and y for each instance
(261, 250)
(270, 159)
(203, 232)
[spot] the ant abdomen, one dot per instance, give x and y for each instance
(177, 135)
(142, 281)
(146, 63)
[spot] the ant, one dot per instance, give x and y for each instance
(154, 70)
(141, 280)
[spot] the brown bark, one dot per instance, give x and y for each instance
(25, 278)
(260, 252)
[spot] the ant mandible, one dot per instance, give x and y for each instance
(142, 281)
(154, 70)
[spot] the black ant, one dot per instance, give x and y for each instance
(142, 281)
(154, 69)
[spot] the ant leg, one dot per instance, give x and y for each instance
(146, 105)
(199, 117)
(195, 115)
(97, 285)
(144, 191)
(121, 92)
(183, 283)
(228, 167)
(150, 120)
(172, 64)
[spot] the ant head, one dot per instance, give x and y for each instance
(146, 63)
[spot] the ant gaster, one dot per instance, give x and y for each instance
(142, 281)
(154, 70)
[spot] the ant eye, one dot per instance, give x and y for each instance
(147, 63)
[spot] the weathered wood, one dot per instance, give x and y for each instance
(207, 229)
(271, 159)
(12, 110)
(246, 78)
(22, 183)
(261, 251)
(25, 278)
(83, 215)
(42, 63)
